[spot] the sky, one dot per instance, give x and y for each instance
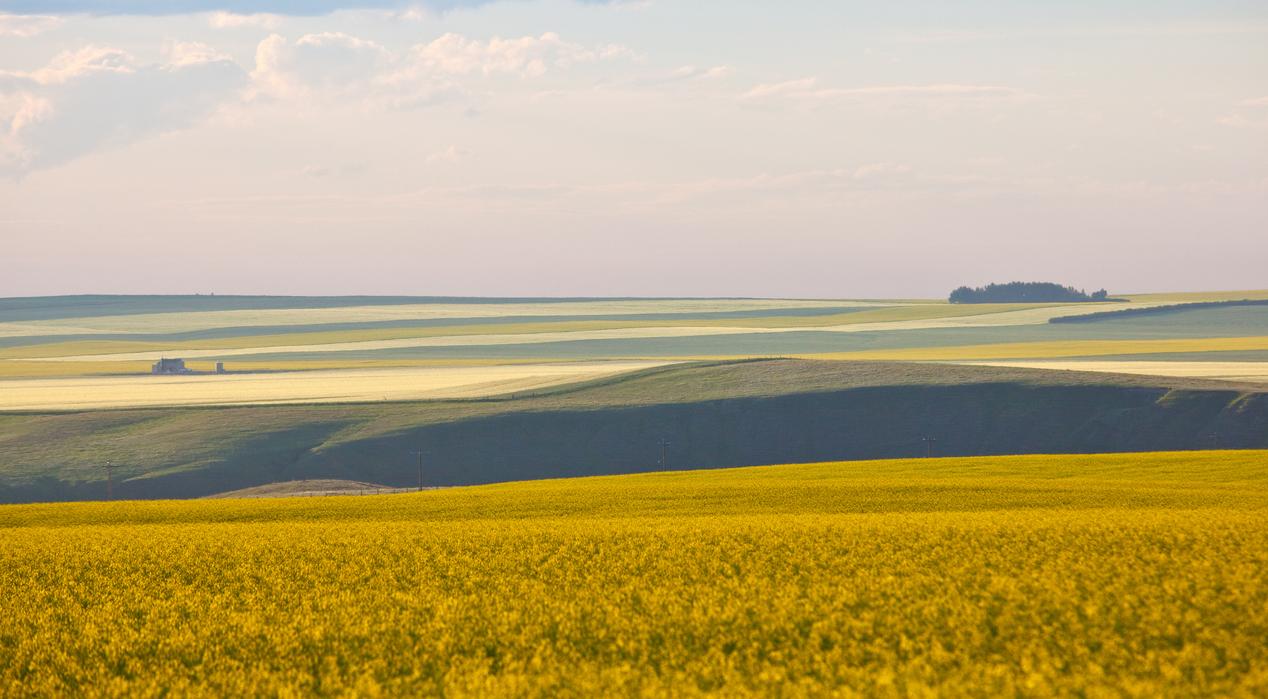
(833, 149)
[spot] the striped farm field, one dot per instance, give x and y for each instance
(124, 322)
(931, 316)
(1111, 575)
(97, 337)
(898, 318)
(315, 386)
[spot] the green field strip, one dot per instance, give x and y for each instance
(97, 305)
(492, 322)
(1206, 324)
(102, 347)
(1057, 349)
(1197, 296)
(168, 323)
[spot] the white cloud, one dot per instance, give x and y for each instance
(451, 154)
(24, 26)
(230, 20)
(98, 97)
(524, 56)
(181, 53)
(1252, 116)
(336, 64)
(89, 60)
(343, 170)
(800, 87)
(879, 171)
(808, 89)
(691, 73)
(415, 13)
(331, 60)
(1241, 121)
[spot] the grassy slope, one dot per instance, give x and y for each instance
(154, 442)
(1136, 574)
(308, 488)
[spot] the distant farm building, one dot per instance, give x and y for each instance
(169, 366)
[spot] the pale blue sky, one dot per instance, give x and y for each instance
(631, 148)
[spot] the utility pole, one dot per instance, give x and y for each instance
(109, 481)
(419, 453)
(929, 440)
(664, 445)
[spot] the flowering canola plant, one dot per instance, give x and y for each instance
(1130, 574)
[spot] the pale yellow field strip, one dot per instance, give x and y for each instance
(14, 369)
(40, 328)
(447, 341)
(324, 386)
(1254, 372)
(1026, 316)
(185, 322)
(1200, 296)
(1041, 350)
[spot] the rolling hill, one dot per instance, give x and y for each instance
(713, 415)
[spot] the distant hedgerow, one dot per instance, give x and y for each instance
(1024, 292)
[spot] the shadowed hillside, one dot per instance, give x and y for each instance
(713, 415)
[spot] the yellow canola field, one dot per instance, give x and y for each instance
(317, 386)
(1117, 575)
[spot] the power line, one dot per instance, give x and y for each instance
(664, 445)
(109, 480)
(929, 441)
(419, 453)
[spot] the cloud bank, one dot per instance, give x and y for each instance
(99, 97)
(808, 89)
(23, 26)
(239, 7)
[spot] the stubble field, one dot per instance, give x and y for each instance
(316, 386)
